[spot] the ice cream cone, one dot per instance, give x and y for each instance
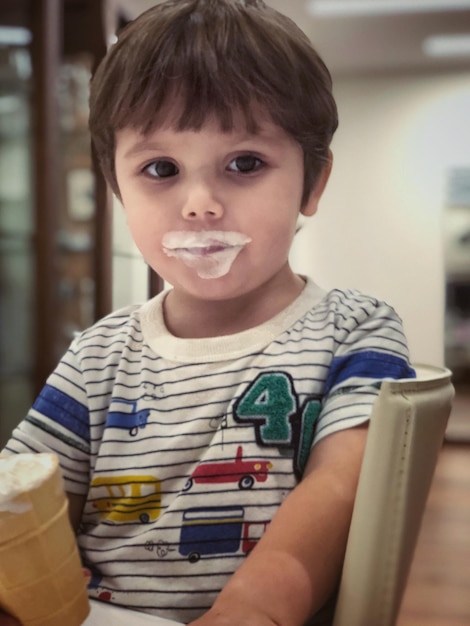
(41, 579)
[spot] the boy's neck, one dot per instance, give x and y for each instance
(192, 318)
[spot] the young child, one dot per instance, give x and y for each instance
(211, 438)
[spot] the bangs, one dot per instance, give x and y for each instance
(186, 104)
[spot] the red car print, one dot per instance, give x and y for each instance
(240, 471)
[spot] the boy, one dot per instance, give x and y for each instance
(234, 405)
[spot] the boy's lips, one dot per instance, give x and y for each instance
(202, 243)
(211, 253)
(205, 250)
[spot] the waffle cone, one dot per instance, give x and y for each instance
(41, 579)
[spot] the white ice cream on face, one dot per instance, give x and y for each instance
(211, 253)
(20, 473)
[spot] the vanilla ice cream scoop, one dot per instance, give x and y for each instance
(211, 253)
(20, 473)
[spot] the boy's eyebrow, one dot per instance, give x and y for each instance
(142, 146)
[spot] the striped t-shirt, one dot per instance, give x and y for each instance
(185, 448)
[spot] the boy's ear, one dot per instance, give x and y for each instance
(311, 206)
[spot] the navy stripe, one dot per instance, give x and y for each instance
(367, 364)
(64, 410)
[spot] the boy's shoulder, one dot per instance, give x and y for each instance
(352, 309)
(122, 321)
(351, 301)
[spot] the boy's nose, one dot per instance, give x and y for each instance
(201, 204)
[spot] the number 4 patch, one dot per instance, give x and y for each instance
(270, 403)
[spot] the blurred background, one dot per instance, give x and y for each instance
(394, 222)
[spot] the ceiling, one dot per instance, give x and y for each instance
(364, 44)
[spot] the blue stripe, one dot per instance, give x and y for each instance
(64, 410)
(367, 364)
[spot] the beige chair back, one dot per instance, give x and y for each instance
(406, 431)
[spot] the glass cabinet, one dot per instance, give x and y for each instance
(54, 216)
(16, 224)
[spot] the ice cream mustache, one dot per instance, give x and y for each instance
(210, 252)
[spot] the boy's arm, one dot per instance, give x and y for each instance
(297, 564)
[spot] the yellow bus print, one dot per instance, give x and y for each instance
(127, 498)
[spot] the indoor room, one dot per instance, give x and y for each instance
(393, 222)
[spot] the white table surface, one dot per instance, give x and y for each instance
(104, 613)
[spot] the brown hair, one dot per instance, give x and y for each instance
(215, 57)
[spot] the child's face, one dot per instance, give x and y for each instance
(213, 213)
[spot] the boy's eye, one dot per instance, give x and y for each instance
(245, 164)
(161, 169)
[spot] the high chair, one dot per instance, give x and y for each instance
(406, 431)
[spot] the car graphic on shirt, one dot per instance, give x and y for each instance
(125, 415)
(127, 498)
(207, 531)
(241, 471)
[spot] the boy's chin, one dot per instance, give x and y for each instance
(226, 287)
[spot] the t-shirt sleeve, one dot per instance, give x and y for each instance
(58, 422)
(370, 346)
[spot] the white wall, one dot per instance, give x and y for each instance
(379, 226)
